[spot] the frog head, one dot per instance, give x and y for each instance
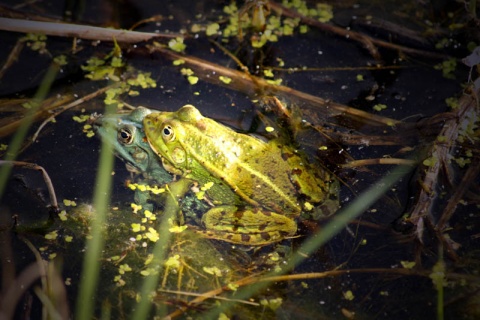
(129, 142)
(169, 132)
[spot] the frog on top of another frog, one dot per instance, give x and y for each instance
(257, 188)
(125, 132)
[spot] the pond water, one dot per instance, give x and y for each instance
(376, 266)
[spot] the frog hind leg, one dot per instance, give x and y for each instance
(247, 226)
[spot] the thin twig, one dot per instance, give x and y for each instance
(12, 57)
(467, 180)
(193, 294)
(369, 162)
(239, 63)
(46, 178)
(72, 104)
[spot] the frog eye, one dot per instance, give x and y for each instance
(168, 134)
(125, 136)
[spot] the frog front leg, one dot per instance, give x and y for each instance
(247, 226)
(177, 190)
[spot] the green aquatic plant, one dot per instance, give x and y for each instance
(267, 24)
(448, 68)
(36, 42)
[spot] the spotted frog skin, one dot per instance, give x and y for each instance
(258, 188)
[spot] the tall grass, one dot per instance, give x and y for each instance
(95, 243)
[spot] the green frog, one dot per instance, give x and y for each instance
(257, 188)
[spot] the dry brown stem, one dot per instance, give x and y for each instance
(383, 161)
(79, 31)
(255, 86)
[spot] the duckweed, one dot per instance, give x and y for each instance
(51, 235)
(69, 203)
(192, 80)
(225, 80)
(379, 107)
(177, 44)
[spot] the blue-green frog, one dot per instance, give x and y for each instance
(130, 143)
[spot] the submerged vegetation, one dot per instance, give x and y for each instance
(384, 113)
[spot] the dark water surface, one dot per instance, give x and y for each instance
(408, 85)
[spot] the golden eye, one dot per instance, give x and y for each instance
(125, 136)
(167, 133)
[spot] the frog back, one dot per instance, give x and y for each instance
(251, 168)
